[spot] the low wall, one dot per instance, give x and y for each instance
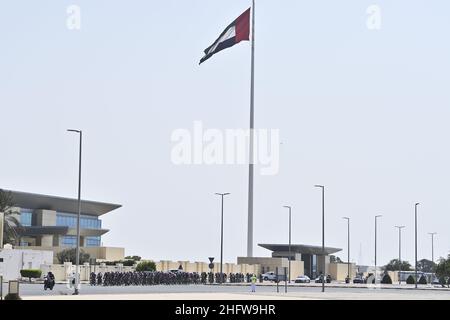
(16, 260)
(64, 271)
(339, 271)
(200, 267)
(267, 264)
(99, 253)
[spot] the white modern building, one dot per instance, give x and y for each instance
(49, 223)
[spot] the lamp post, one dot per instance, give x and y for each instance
(222, 195)
(290, 211)
(323, 234)
(432, 245)
(415, 242)
(348, 246)
(399, 252)
(77, 258)
(376, 269)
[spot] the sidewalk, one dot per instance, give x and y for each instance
(373, 294)
(168, 296)
(338, 285)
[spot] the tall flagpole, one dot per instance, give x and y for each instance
(251, 158)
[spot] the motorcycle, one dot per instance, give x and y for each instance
(49, 283)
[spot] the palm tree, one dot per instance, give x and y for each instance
(11, 223)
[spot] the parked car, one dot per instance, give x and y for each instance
(175, 270)
(269, 276)
(272, 276)
(435, 281)
(359, 279)
(320, 279)
(302, 279)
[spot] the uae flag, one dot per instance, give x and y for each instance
(237, 31)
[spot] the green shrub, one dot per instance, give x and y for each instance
(146, 266)
(386, 279)
(135, 258)
(31, 273)
(126, 263)
(423, 280)
(70, 255)
(410, 280)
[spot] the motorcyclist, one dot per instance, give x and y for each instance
(49, 281)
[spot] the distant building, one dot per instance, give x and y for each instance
(50, 223)
(305, 260)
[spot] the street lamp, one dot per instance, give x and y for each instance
(221, 236)
(290, 211)
(376, 269)
(415, 241)
(432, 245)
(323, 234)
(77, 258)
(399, 252)
(348, 247)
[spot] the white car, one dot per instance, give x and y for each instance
(269, 276)
(302, 279)
(175, 271)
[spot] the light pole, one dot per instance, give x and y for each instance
(432, 245)
(290, 211)
(323, 234)
(399, 252)
(415, 242)
(348, 247)
(77, 258)
(376, 269)
(221, 236)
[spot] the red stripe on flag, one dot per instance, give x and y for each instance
(243, 27)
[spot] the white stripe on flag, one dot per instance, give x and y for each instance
(231, 33)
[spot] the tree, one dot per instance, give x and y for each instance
(443, 268)
(425, 265)
(334, 259)
(386, 279)
(146, 266)
(410, 280)
(422, 280)
(69, 255)
(394, 265)
(11, 221)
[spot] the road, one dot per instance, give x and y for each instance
(192, 292)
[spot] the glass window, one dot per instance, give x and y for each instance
(92, 241)
(70, 220)
(68, 241)
(26, 216)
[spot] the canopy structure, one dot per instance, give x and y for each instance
(300, 248)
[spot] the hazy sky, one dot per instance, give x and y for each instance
(364, 112)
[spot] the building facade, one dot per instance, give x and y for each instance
(50, 223)
(305, 260)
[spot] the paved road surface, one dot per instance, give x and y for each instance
(193, 292)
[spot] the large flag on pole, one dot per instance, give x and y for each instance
(237, 31)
